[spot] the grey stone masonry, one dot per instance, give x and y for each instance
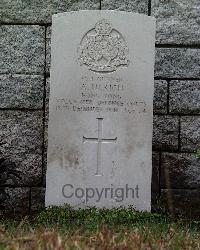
(155, 183)
(155, 172)
(177, 21)
(140, 6)
(46, 126)
(21, 91)
(40, 11)
(181, 202)
(184, 97)
(177, 63)
(165, 133)
(21, 147)
(180, 171)
(48, 49)
(47, 107)
(190, 133)
(160, 97)
(22, 49)
(14, 202)
(37, 199)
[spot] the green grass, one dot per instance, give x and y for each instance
(66, 228)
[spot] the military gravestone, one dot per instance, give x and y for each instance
(101, 102)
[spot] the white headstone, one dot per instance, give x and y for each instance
(101, 102)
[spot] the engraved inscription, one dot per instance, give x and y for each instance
(99, 140)
(111, 106)
(103, 48)
(102, 94)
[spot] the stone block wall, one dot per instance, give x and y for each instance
(24, 88)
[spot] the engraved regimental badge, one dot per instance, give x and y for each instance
(103, 48)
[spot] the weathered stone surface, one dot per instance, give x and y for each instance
(160, 97)
(181, 202)
(140, 6)
(177, 62)
(177, 21)
(48, 49)
(21, 144)
(190, 131)
(165, 132)
(40, 11)
(21, 91)
(22, 49)
(37, 199)
(184, 97)
(14, 201)
(180, 171)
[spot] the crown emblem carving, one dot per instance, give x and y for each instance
(103, 48)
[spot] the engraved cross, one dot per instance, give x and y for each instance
(99, 140)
